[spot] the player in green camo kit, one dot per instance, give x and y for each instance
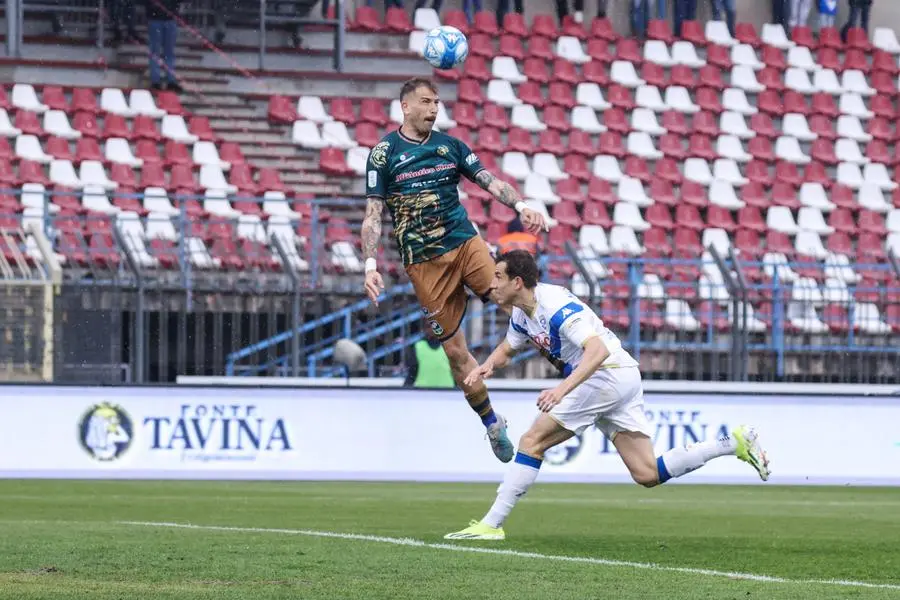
(416, 171)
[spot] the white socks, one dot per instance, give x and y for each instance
(679, 461)
(518, 479)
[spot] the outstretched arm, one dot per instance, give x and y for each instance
(498, 359)
(371, 236)
(507, 194)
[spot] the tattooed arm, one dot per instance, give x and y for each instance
(499, 189)
(371, 226)
(371, 236)
(507, 194)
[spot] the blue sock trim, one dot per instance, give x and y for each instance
(664, 475)
(528, 461)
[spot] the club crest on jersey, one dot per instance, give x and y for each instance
(443, 150)
(543, 322)
(436, 328)
(379, 154)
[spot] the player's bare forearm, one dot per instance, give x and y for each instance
(501, 355)
(499, 189)
(595, 352)
(371, 227)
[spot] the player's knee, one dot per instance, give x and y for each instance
(645, 476)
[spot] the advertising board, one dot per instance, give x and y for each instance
(389, 434)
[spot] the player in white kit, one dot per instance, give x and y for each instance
(602, 387)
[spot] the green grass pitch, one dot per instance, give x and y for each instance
(263, 540)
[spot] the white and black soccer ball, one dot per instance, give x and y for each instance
(445, 47)
(350, 354)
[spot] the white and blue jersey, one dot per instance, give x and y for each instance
(560, 326)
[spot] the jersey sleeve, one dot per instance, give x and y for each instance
(516, 336)
(469, 164)
(376, 164)
(577, 329)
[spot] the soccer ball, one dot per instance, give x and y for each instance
(445, 47)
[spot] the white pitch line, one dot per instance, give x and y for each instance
(499, 551)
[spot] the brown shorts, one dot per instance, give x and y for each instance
(439, 284)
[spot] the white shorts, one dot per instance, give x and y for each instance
(612, 399)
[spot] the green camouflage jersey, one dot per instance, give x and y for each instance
(418, 181)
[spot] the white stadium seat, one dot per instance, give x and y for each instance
(525, 116)
(546, 164)
(641, 144)
(216, 203)
(426, 19)
(678, 314)
(811, 219)
(6, 127)
(735, 124)
(356, 159)
(159, 226)
(156, 200)
(798, 80)
(334, 134)
(174, 128)
(91, 172)
(500, 91)
(826, 80)
(56, 123)
(311, 108)
(796, 125)
(590, 94)
(142, 103)
(623, 239)
(722, 194)
(735, 100)
(623, 73)
(607, 168)
(205, 153)
(774, 35)
(569, 48)
(849, 151)
(678, 98)
(853, 105)
(850, 128)
(644, 119)
(515, 164)
(212, 178)
(629, 215)
(537, 187)
(780, 218)
(855, 81)
(505, 67)
(113, 100)
(684, 53)
(62, 173)
(656, 51)
(306, 134)
(877, 174)
(814, 196)
(800, 57)
(29, 148)
(885, 39)
(697, 169)
(727, 170)
(585, 119)
(24, 97)
(729, 146)
(850, 175)
(118, 150)
(788, 148)
(631, 190)
(745, 55)
(648, 96)
(716, 32)
(871, 197)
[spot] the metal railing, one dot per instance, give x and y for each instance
(189, 285)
